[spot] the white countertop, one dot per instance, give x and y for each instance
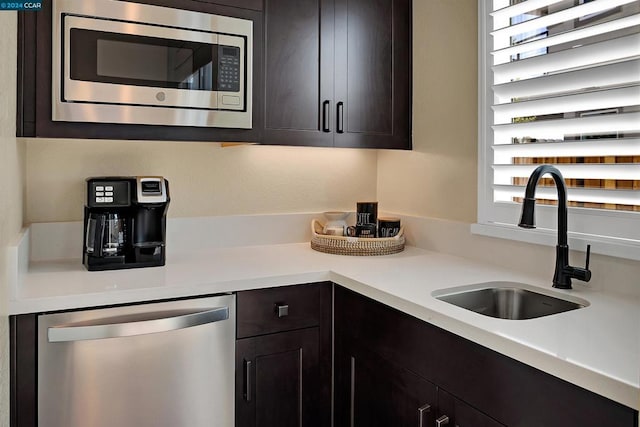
(597, 347)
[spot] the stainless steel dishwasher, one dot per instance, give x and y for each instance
(168, 364)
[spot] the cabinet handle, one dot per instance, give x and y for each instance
(282, 310)
(326, 114)
(442, 421)
(340, 121)
(421, 414)
(247, 380)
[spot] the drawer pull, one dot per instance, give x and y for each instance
(442, 421)
(422, 411)
(282, 310)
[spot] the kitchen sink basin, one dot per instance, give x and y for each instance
(508, 300)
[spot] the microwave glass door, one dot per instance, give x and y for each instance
(98, 56)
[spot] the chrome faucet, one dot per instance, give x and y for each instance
(564, 272)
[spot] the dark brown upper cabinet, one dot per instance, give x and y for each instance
(338, 73)
(245, 4)
(34, 82)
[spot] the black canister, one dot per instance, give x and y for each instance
(366, 219)
(388, 227)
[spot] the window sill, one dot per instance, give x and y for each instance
(615, 247)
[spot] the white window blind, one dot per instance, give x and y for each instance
(562, 87)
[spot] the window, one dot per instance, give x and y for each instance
(560, 84)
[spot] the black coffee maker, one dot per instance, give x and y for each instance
(125, 222)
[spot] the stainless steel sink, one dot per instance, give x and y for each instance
(508, 300)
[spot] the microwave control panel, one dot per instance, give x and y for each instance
(228, 69)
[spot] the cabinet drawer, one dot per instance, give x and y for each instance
(266, 311)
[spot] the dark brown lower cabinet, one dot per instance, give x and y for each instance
(454, 412)
(278, 380)
(23, 392)
(389, 370)
(388, 364)
(283, 356)
(373, 391)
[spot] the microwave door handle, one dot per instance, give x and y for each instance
(65, 333)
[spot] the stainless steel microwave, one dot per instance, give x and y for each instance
(122, 62)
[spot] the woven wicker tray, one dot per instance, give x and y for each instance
(340, 245)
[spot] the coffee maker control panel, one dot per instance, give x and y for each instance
(151, 189)
(109, 194)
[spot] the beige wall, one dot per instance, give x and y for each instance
(204, 178)
(11, 188)
(438, 178)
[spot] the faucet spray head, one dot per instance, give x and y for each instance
(527, 218)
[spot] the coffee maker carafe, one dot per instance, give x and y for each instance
(125, 222)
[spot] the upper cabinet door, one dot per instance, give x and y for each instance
(298, 72)
(338, 73)
(373, 73)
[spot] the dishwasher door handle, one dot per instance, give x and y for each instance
(152, 324)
